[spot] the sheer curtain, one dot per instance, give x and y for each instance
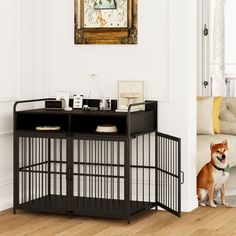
(218, 82)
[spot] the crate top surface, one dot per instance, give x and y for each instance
(81, 112)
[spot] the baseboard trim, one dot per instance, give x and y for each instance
(6, 203)
(6, 198)
(6, 133)
(188, 206)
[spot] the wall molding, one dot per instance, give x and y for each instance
(46, 48)
(18, 49)
(168, 98)
(10, 99)
(7, 201)
(189, 205)
(13, 99)
(8, 182)
(170, 28)
(169, 53)
(6, 133)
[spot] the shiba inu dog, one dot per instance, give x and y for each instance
(213, 176)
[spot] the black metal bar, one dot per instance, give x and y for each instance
(93, 167)
(112, 170)
(166, 176)
(16, 173)
(179, 178)
(54, 166)
(157, 176)
(172, 178)
(112, 165)
(61, 170)
(106, 151)
(137, 170)
(118, 171)
(44, 169)
(149, 170)
(176, 183)
(42, 153)
(95, 170)
(69, 183)
(36, 166)
(25, 176)
(78, 168)
(84, 170)
(89, 167)
(32, 165)
(49, 167)
(46, 166)
(28, 101)
(161, 174)
(143, 164)
(96, 167)
(29, 156)
(102, 171)
(166, 136)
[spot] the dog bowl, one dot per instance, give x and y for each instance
(106, 128)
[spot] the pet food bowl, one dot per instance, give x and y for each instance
(106, 128)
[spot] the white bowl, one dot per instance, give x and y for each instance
(106, 128)
(48, 128)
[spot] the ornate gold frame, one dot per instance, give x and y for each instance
(126, 35)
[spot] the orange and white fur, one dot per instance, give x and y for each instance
(212, 178)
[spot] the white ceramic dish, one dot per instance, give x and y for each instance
(106, 129)
(48, 128)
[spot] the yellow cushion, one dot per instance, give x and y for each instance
(216, 114)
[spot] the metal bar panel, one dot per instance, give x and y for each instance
(29, 156)
(169, 172)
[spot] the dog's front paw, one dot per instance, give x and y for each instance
(212, 204)
(202, 204)
(225, 204)
(218, 202)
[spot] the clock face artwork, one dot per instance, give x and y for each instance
(106, 21)
(104, 4)
(105, 13)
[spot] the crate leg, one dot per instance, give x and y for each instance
(70, 214)
(156, 208)
(14, 210)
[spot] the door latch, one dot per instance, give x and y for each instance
(182, 177)
(205, 31)
(205, 83)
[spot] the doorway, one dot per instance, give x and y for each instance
(217, 61)
(217, 47)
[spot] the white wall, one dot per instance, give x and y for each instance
(75, 63)
(16, 76)
(178, 116)
(165, 59)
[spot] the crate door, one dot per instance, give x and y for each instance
(168, 176)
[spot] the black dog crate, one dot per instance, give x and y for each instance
(80, 172)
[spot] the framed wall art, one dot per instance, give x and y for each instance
(105, 21)
(130, 92)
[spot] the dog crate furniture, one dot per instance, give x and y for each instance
(77, 171)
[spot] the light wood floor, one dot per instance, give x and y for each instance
(201, 222)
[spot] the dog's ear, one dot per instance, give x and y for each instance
(225, 142)
(212, 145)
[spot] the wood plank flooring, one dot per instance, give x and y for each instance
(204, 221)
